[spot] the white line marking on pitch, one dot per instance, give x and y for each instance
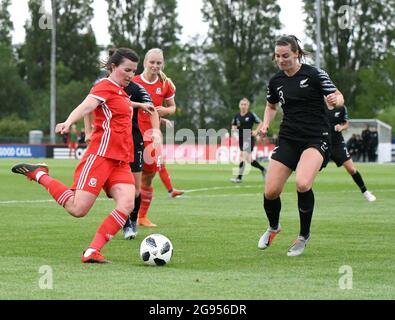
(199, 190)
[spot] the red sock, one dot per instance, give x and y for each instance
(165, 177)
(146, 194)
(108, 229)
(57, 189)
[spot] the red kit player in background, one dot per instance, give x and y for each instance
(162, 92)
(106, 161)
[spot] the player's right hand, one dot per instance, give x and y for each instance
(148, 108)
(263, 131)
(62, 128)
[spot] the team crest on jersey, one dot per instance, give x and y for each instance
(93, 182)
(303, 83)
(247, 118)
(120, 92)
(158, 91)
(337, 114)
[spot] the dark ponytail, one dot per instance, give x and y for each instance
(293, 41)
(117, 56)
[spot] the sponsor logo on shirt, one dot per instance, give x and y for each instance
(337, 114)
(303, 83)
(92, 182)
(248, 118)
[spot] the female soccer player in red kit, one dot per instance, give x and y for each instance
(106, 162)
(162, 90)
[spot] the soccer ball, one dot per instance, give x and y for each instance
(156, 250)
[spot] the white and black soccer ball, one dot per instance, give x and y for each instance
(156, 250)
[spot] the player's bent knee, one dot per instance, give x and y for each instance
(126, 206)
(78, 210)
(271, 194)
(303, 185)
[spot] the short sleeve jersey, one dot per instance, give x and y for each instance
(159, 92)
(245, 122)
(137, 93)
(337, 116)
(111, 137)
(302, 100)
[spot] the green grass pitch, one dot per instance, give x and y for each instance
(214, 230)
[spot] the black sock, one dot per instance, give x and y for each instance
(241, 169)
(133, 215)
(306, 208)
(359, 181)
(272, 209)
(257, 165)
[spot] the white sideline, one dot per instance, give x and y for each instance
(199, 190)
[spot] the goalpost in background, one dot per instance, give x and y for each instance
(384, 148)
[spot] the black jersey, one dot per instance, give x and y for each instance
(302, 99)
(137, 93)
(245, 122)
(337, 116)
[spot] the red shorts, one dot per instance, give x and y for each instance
(152, 158)
(94, 173)
(73, 145)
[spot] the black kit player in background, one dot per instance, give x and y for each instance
(338, 120)
(303, 138)
(243, 123)
(140, 99)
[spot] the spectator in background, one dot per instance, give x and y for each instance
(81, 138)
(366, 134)
(73, 141)
(352, 146)
(65, 138)
(359, 147)
(374, 142)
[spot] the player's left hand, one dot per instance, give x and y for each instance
(156, 138)
(162, 111)
(338, 128)
(332, 99)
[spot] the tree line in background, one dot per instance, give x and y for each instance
(233, 60)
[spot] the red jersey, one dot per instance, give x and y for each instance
(112, 120)
(159, 92)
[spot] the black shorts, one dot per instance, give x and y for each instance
(138, 145)
(339, 153)
(288, 152)
(247, 145)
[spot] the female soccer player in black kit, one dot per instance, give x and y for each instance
(303, 138)
(140, 99)
(243, 123)
(338, 120)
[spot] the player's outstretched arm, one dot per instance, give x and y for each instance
(87, 106)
